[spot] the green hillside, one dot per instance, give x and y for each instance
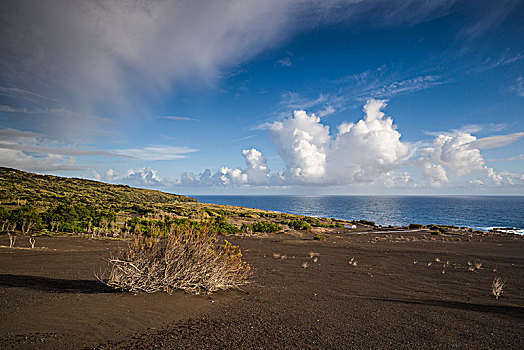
(42, 203)
(17, 186)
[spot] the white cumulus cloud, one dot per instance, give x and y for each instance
(303, 143)
(364, 150)
(368, 151)
(460, 154)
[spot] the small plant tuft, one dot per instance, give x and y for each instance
(319, 238)
(313, 254)
(496, 286)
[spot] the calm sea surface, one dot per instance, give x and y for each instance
(481, 212)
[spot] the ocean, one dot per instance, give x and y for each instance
(479, 212)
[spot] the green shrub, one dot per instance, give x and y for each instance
(319, 238)
(299, 225)
(367, 222)
(220, 225)
(267, 227)
(246, 228)
(415, 226)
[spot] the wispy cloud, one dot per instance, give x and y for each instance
(59, 123)
(291, 100)
(518, 87)
(60, 151)
(17, 93)
(405, 86)
(102, 52)
(168, 137)
(285, 62)
(20, 160)
(487, 16)
(157, 152)
(32, 151)
(18, 136)
(509, 159)
(504, 59)
(170, 117)
(470, 129)
(239, 139)
(378, 83)
(496, 141)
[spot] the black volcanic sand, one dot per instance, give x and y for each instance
(50, 298)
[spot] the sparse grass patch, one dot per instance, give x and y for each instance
(477, 265)
(319, 238)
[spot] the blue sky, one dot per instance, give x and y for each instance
(241, 97)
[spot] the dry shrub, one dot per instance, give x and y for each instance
(188, 259)
(313, 254)
(496, 286)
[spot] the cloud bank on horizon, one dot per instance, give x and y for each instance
(169, 94)
(369, 151)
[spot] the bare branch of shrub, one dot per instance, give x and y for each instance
(188, 259)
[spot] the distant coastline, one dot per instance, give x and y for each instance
(478, 212)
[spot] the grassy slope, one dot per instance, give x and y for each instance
(18, 188)
(16, 185)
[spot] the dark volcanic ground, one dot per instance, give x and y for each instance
(50, 298)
